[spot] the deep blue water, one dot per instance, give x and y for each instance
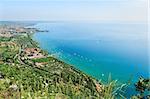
(99, 49)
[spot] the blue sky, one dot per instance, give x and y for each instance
(66, 10)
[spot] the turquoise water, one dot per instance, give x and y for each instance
(98, 49)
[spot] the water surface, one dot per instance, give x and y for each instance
(98, 49)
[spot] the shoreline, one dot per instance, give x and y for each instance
(49, 55)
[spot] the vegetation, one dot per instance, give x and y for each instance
(143, 87)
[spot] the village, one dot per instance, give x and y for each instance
(7, 31)
(12, 30)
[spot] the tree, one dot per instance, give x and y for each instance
(142, 86)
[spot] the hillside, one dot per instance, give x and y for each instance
(27, 71)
